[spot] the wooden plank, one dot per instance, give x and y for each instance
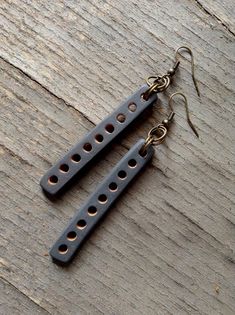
(92, 54)
(153, 252)
(91, 78)
(14, 302)
(222, 10)
(168, 245)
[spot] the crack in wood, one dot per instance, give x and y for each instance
(47, 90)
(203, 8)
(25, 295)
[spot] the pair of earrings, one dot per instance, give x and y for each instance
(81, 155)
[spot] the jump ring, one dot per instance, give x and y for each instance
(153, 133)
(155, 86)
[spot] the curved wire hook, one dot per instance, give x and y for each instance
(186, 108)
(177, 53)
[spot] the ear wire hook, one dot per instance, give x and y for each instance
(186, 108)
(158, 133)
(177, 53)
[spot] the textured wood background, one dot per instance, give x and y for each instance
(167, 247)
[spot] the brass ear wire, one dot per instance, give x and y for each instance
(158, 133)
(177, 54)
(186, 108)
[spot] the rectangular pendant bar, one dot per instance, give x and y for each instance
(94, 142)
(99, 203)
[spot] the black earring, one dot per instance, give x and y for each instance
(68, 167)
(110, 189)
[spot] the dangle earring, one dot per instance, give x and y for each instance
(85, 220)
(68, 167)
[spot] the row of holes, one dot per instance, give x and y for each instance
(87, 147)
(92, 210)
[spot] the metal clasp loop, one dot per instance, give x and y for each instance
(155, 136)
(157, 84)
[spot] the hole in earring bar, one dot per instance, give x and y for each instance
(64, 168)
(109, 128)
(63, 248)
(142, 152)
(76, 158)
(92, 210)
(113, 186)
(144, 97)
(132, 107)
(122, 174)
(99, 138)
(132, 163)
(121, 118)
(87, 147)
(81, 224)
(71, 236)
(53, 180)
(102, 198)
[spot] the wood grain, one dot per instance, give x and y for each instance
(167, 247)
(14, 302)
(223, 11)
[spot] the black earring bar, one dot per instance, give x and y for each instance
(95, 141)
(99, 203)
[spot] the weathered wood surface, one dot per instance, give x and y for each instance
(15, 302)
(222, 10)
(167, 247)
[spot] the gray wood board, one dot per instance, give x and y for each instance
(12, 301)
(222, 10)
(167, 247)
